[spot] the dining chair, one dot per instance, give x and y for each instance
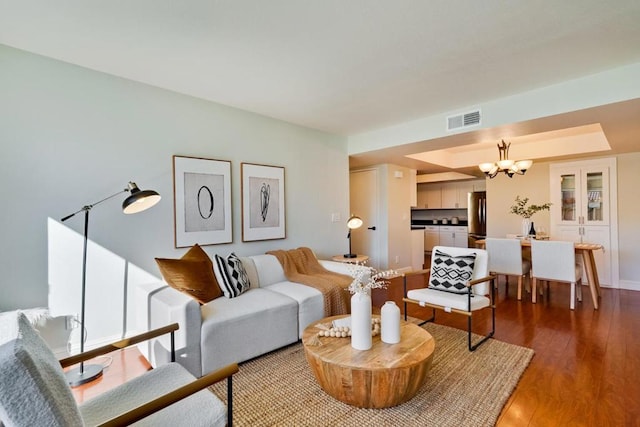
(555, 260)
(458, 282)
(505, 257)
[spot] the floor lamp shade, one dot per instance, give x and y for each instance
(137, 201)
(352, 223)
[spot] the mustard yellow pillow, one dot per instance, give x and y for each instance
(191, 274)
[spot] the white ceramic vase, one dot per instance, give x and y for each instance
(526, 225)
(390, 323)
(361, 321)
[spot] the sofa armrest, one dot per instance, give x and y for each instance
(160, 305)
(343, 267)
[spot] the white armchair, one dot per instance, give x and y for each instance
(459, 282)
(35, 392)
(556, 260)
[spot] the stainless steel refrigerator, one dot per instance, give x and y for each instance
(477, 216)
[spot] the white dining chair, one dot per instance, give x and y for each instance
(505, 258)
(556, 260)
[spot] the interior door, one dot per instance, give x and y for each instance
(363, 199)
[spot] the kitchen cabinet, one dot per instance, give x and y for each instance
(413, 195)
(429, 196)
(454, 194)
(431, 237)
(456, 236)
(583, 195)
(446, 195)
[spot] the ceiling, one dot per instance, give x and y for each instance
(348, 67)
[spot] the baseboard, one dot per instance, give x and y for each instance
(629, 285)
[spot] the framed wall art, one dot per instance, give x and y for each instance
(202, 201)
(263, 216)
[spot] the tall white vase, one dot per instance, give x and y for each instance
(361, 321)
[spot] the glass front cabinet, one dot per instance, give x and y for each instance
(581, 194)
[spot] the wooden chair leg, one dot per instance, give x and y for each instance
(572, 306)
(519, 288)
(534, 292)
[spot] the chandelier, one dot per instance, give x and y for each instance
(509, 167)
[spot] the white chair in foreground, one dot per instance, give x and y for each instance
(505, 257)
(459, 282)
(556, 260)
(34, 390)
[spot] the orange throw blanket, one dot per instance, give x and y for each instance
(301, 266)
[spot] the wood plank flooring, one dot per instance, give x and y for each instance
(586, 370)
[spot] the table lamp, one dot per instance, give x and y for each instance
(352, 223)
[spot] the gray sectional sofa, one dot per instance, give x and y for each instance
(271, 314)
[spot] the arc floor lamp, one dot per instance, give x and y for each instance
(137, 201)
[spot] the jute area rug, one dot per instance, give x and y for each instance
(463, 388)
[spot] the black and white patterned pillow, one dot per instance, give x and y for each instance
(231, 275)
(451, 273)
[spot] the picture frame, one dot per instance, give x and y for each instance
(263, 202)
(202, 201)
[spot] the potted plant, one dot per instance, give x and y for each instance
(526, 212)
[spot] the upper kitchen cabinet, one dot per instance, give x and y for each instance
(429, 196)
(447, 195)
(454, 194)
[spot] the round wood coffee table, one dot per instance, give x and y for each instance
(383, 376)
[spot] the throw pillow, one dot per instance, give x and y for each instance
(191, 274)
(451, 273)
(231, 275)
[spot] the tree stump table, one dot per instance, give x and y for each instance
(385, 375)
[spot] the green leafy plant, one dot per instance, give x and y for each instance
(520, 207)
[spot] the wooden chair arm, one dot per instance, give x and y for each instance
(416, 272)
(481, 280)
(118, 345)
(176, 395)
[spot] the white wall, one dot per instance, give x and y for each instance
(501, 194)
(71, 136)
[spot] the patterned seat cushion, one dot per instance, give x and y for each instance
(451, 273)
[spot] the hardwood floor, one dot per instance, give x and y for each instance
(586, 368)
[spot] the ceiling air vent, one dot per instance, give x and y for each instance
(464, 120)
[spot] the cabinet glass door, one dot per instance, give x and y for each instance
(594, 197)
(568, 197)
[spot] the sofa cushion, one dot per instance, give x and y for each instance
(451, 273)
(33, 388)
(449, 299)
(310, 302)
(231, 275)
(269, 270)
(241, 328)
(191, 274)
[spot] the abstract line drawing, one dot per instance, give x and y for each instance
(202, 201)
(263, 216)
(211, 202)
(265, 193)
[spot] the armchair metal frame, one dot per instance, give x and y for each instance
(490, 278)
(168, 399)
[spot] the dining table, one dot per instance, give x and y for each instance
(585, 251)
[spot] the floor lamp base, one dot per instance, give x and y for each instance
(90, 373)
(350, 255)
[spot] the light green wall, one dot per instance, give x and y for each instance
(71, 136)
